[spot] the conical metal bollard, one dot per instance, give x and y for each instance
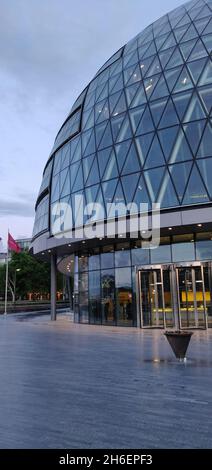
(179, 341)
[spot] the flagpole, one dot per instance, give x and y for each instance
(6, 280)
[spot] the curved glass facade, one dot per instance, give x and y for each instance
(140, 132)
(147, 113)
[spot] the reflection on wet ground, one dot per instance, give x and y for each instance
(64, 385)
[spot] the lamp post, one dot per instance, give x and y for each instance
(16, 271)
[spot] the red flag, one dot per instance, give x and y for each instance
(12, 245)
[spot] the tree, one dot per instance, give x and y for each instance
(26, 275)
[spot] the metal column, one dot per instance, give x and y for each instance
(175, 304)
(53, 287)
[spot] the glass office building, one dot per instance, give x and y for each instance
(140, 132)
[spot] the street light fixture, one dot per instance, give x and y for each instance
(16, 271)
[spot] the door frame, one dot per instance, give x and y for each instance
(174, 288)
(139, 269)
(192, 266)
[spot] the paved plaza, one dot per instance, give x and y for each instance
(64, 385)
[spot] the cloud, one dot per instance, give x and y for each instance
(16, 208)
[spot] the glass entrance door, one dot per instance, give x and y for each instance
(152, 298)
(191, 297)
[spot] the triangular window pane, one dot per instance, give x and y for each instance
(73, 172)
(144, 65)
(85, 139)
(146, 124)
(201, 24)
(154, 68)
(159, 41)
(184, 20)
(121, 152)
(205, 12)
(57, 162)
(100, 211)
(165, 56)
(155, 156)
(167, 195)
(104, 92)
(111, 169)
(179, 32)
(207, 30)
(181, 102)
(66, 187)
(108, 190)
(87, 163)
(191, 34)
(150, 51)
(116, 124)
(180, 174)
(102, 111)
(100, 129)
(131, 59)
(195, 110)
(186, 48)
(55, 189)
(103, 157)
(119, 195)
(193, 132)
(135, 117)
(128, 73)
(167, 139)
(135, 76)
(160, 90)
(205, 167)
(125, 131)
(115, 68)
(140, 97)
(157, 109)
(169, 117)
(131, 92)
(76, 151)
(196, 68)
(172, 76)
(143, 144)
(195, 10)
(143, 48)
(91, 146)
(171, 41)
(107, 138)
(91, 193)
(205, 148)
(206, 96)
(141, 194)
(153, 181)
(175, 60)
(184, 82)
(66, 157)
(206, 77)
(75, 210)
(195, 192)
(181, 151)
(150, 84)
(116, 84)
(120, 105)
(93, 177)
(86, 119)
(132, 163)
(78, 184)
(129, 184)
(199, 51)
(113, 100)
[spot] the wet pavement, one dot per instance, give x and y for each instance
(64, 385)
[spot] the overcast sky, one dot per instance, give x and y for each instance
(49, 51)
